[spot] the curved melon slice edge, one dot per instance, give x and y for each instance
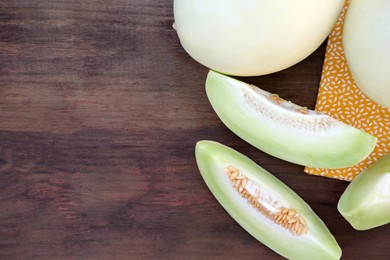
(213, 158)
(283, 129)
(365, 202)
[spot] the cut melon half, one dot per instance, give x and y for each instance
(365, 204)
(264, 206)
(283, 129)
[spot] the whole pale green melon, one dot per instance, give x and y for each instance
(253, 37)
(366, 41)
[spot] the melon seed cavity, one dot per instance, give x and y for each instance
(255, 98)
(288, 218)
(279, 100)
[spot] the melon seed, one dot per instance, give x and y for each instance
(285, 217)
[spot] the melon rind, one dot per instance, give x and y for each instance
(213, 157)
(365, 204)
(312, 139)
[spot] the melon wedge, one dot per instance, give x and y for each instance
(365, 204)
(263, 205)
(283, 129)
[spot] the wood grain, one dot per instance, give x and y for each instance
(100, 109)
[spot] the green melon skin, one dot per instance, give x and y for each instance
(365, 204)
(318, 243)
(311, 139)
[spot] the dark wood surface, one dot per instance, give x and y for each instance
(100, 109)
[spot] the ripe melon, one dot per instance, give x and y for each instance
(283, 129)
(365, 204)
(366, 42)
(263, 205)
(253, 37)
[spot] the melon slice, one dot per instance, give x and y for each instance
(283, 129)
(365, 204)
(263, 205)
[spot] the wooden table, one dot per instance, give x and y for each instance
(100, 109)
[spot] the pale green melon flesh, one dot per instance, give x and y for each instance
(365, 204)
(213, 158)
(277, 127)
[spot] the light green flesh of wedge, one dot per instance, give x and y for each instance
(283, 129)
(365, 204)
(263, 205)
